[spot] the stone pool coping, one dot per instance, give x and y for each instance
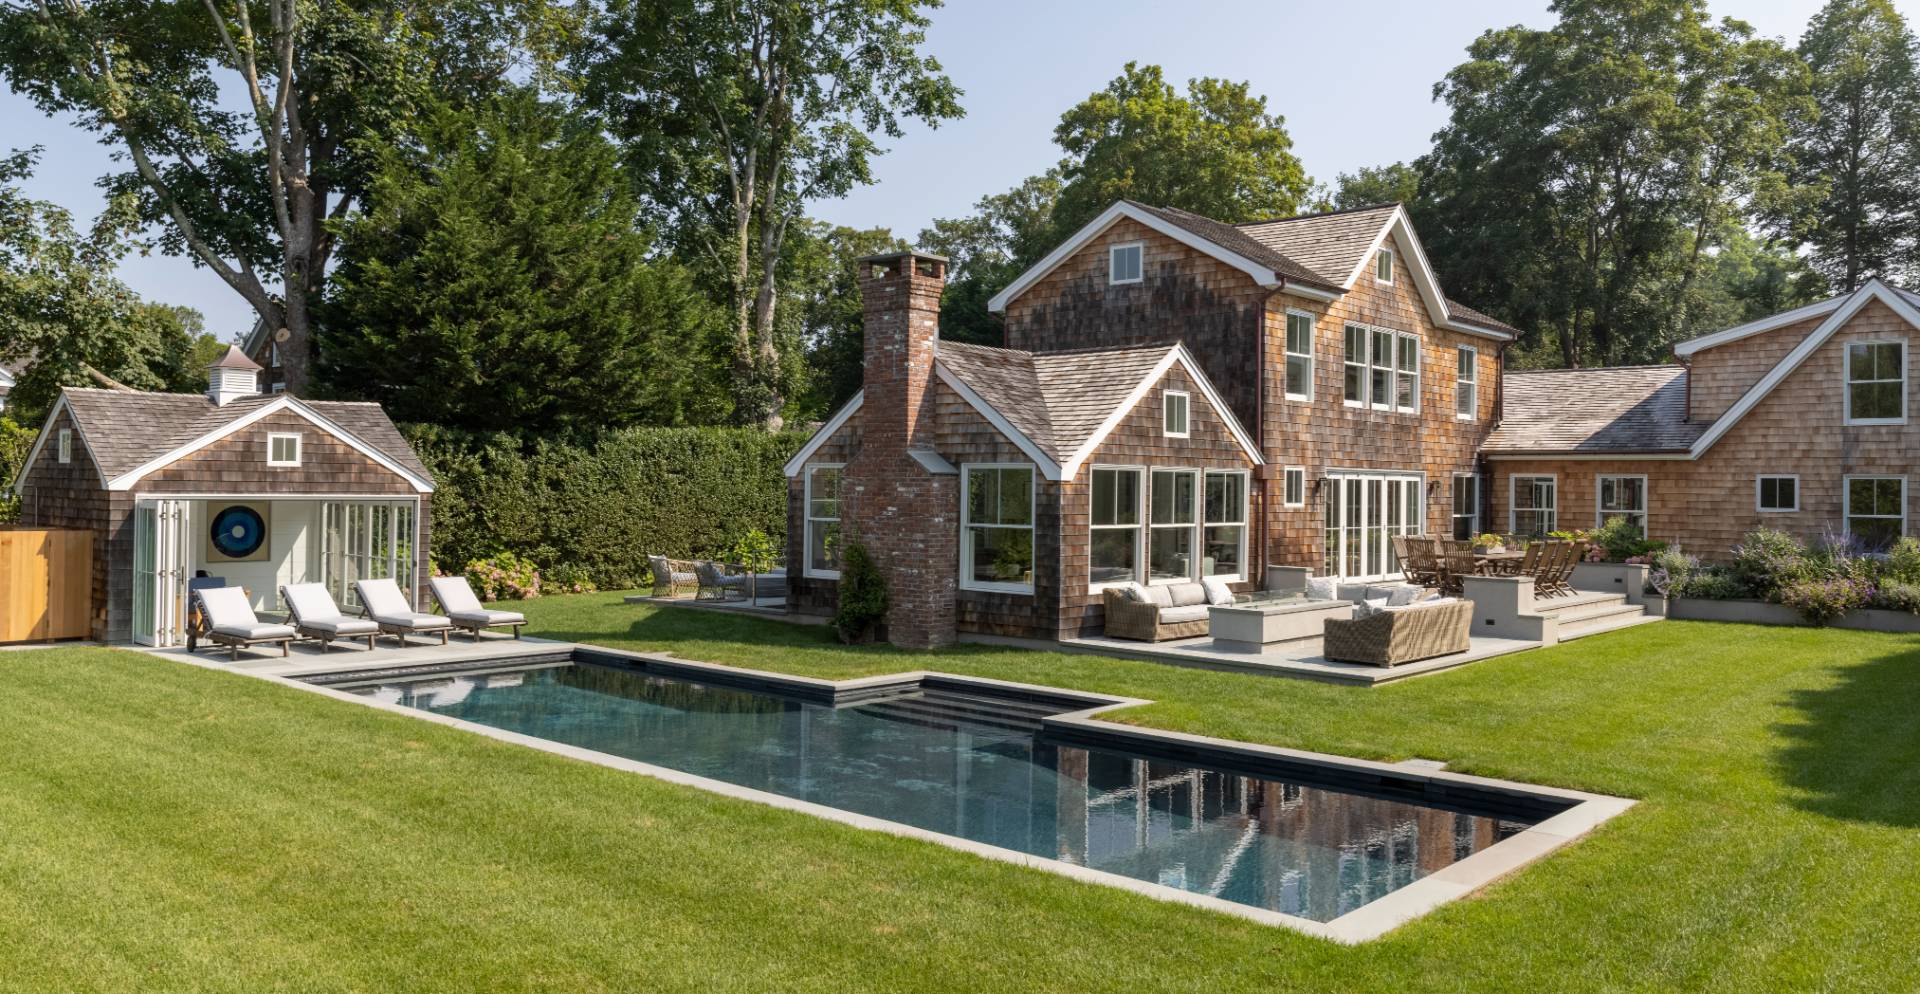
(1574, 813)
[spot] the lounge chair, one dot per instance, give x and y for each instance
(670, 575)
(230, 622)
(716, 583)
(383, 602)
(316, 616)
(457, 599)
(196, 621)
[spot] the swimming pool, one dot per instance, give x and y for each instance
(996, 767)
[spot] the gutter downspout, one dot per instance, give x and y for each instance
(1260, 433)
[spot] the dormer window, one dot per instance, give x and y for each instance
(1174, 410)
(1383, 266)
(65, 449)
(283, 449)
(1123, 263)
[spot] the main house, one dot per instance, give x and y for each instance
(259, 489)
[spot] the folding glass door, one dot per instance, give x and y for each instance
(365, 541)
(1364, 511)
(159, 572)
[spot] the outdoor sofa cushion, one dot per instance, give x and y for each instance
(1218, 590)
(314, 610)
(1187, 594)
(457, 599)
(1185, 612)
(1322, 588)
(228, 613)
(387, 605)
(1157, 596)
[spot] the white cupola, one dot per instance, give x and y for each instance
(232, 377)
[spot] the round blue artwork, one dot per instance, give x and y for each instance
(238, 531)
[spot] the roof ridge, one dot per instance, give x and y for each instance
(1383, 205)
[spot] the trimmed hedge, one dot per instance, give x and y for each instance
(602, 505)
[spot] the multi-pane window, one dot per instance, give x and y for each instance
(65, 446)
(1175, 409)
(1115, 553)
(1876, 509)
(1876, 382)
(1123, 263)
(996, 528)
(1406, 390)
(1535, 499)
(1293, 486)
(1356, 365)
(1466, 385)
(1383, 265)
(823, 521)
(1466, 506)
(1382, 369)
(1777, 493)
(283, 449)
(1171, 532)
(1299, 356)
(1380, 380)
(1623, 497)
(1224, 538)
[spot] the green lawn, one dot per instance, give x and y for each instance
(166, 828)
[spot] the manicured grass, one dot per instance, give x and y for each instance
(168, 828)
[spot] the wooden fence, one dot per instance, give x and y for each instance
(46, 584)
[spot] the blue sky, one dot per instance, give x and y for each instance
(1353, 82)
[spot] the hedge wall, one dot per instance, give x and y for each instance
(601, 506)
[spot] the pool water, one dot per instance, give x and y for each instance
(979, 768)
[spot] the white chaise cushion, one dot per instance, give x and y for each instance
(255, 631)
(388, 606)
(314, 610)
(457, 599)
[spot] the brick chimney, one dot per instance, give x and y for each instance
(899, 499)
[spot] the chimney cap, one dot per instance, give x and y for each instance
(909, 254)
(235, 359)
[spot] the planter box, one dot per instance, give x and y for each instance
(1763, 613)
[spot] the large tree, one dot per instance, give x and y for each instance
(1006, 233)
(248, 189)
(1858, 157)
(1588, 171)
(821, 278)
(739, 113)
(499, 281)
(1214, 150)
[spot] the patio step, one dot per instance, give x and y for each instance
(1599, 613)
(946, 708)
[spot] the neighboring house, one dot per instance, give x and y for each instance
(259, 489)
(1797, 422)
(264, 350)
(9, 378)
(1187, 398)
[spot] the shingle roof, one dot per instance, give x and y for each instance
(1461, 312)
(1626, 409)
(126, 429)
(1332, 244)
(1235, 240)
(1057, 399)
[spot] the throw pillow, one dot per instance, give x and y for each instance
(1404, 594)
(1218, 592)
(1156, 596)
(1322, 588)
(1369, 608)
(1355, 592)
(1186, 594)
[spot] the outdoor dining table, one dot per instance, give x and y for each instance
(1496, 562)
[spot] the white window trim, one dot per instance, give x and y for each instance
(1847, 381)
(966, 529)
(1186, 412)
(1472, 385)
(1286, 349)
(1113, 252)
(1762, 508)
(1245, 523)
(1365, 364)
(1286, 471)
(1846, 500)
(1139, 527)
(1193, 527)
(1453, 505)
(807, 519)
(1600, 516)
(1367, 367)
(1418, 374)
(297, 447)
(1383, 253)
(63, 451)
(1513, 488)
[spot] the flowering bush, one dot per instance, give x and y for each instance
(1903, 562)
(1898, 597)
(567, 579)
(504, 577)
(1670, 572)
(1821, 601)
(1767, 562)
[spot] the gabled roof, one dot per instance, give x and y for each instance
(1633, 409)
(1737, 332)
(1337, 244)
(1238, 239)
(130, 434)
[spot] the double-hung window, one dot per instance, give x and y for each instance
(1876, 509)
(823, 521)
(64, 450)
(1406, 388)
(1466, 506)
(1175, 409)
(1776, 494)
(1534, 506)
(1115, 523)
(1124, 263)
(1466, 386)
(1380, 383)
(1170, 535)
(1224, 539)
(996, 529)
(1876, 383)
(1623, 497)
(1356, 366)
(1293, 486)
(1299, 356)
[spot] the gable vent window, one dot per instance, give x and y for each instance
(283, 450)
(1383, 266)
(1876, 383)
(1123, 263)
(1175, 414)
(66, 445)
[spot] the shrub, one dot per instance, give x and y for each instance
(1898, 597)
(1711, 585)
(1670, 571)
(504, 577)
(1821, 601)
(567, 579)
(754, 551)
(1620, 541)
(1903, 562)
(863, 596)
(1766, 562)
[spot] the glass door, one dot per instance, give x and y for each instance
(364, 541)
(159, 572)
(1364, 512)
(146, 583)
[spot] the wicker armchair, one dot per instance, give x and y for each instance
(718, 581)
(670, 576)
(1390, 638)
(1128, 618)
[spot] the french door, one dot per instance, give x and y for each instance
(1364, 512)
(159, 572)
(365, 541)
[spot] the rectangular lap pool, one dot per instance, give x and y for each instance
(982, 762)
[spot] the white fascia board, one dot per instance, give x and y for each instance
(127, 480)
(827, 431)
(1309, 292)
(1401, 227)
(1048, 467)
(1873, 290)
(1176, 355)
(1751, 328)
(1546, 456)
(1260, 274)
(1373, 248)
(40, 442)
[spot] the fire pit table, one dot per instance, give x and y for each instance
(1246, 626)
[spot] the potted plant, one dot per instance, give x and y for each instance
(1488, 542)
